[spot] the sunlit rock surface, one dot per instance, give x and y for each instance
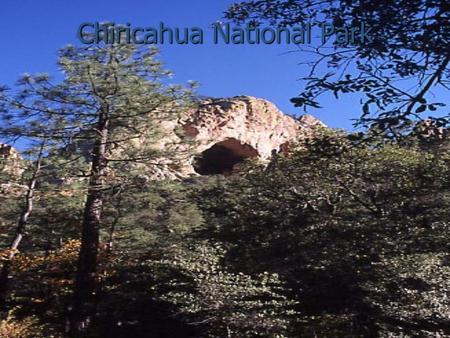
(229, 130)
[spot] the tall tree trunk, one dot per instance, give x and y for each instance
(85, 290)
(20, 231)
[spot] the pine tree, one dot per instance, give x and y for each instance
(112, 98)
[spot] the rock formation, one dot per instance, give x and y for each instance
(10, 172)
(229, 130)
(10, 161)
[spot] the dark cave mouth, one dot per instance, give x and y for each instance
(221, 158)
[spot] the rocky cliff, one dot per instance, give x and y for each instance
(229, 130)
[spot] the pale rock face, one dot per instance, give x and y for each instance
(241, 127)
(10, 161)
(10, 171)
(7, 151)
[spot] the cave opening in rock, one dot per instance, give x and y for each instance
(222, 157)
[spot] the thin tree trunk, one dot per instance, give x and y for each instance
(112, 229)
(20, 231)
(85, 289)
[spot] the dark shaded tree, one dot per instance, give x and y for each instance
(340, 223)
(395, 74)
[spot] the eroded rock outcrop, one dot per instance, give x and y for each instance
(10, 171)
(229, 130)
(10, 161)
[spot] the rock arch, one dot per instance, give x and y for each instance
(222, 157)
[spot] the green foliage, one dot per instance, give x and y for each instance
(324, 218)
(412, 291)
(334, 239)
(227, 304)
(150, 213)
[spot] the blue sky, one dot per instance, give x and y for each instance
(32, 32)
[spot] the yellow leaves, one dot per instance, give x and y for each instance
(25, 328)
(23, 262)
(53, 260)
(54, 268)
(7, 254)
